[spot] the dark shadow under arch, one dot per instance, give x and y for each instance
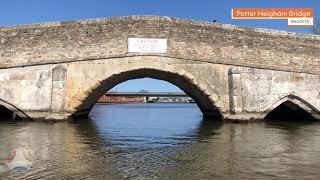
(8, 107)
(289, 111)
(207, 107)
(294, 108)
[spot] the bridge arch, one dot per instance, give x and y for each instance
(14, 109)
(205, 99)
(293, 100)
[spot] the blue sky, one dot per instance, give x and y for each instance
(31, 11)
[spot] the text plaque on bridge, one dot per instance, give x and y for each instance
(147, 45)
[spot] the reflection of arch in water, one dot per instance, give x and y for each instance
(185, 82)
(294, 104)
(208, 128)
(16, 112)
(90, 128)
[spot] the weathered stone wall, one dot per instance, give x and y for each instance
(187, 39)
(28, 88)
(258, 91)
(68, 88)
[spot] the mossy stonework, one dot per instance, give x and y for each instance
(58, 70)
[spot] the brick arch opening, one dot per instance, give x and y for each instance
(291, 107)
(185, 83)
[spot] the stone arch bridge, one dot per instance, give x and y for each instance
(59, 69)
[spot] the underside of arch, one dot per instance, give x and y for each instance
(9, 110)
(207, 107)
(292, 107)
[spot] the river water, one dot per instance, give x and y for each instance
(162, 141)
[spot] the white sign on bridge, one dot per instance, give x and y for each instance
(147, 45)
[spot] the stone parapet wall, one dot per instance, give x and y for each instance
(58, 42)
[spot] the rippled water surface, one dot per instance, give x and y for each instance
(162, 141)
